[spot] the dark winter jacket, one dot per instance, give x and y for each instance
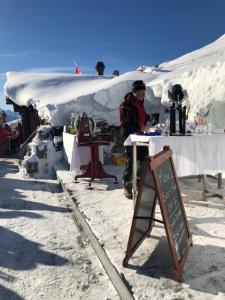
(129, 116)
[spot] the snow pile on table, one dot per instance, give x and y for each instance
(201, 73)
(43, 154)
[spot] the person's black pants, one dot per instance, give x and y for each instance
(142, 152)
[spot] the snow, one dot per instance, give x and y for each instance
(45, 161)
(13, 124)
(201, 73)
(43, 256)
(109, 215)
(57, 95)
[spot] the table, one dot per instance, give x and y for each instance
(193, 155)
(75, 155)
(95, 169)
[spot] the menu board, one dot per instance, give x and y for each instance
(174, 209)
(159, 183)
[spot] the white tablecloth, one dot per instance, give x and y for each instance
(75, 155)
(192, 155)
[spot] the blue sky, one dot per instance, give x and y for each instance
(47, 35)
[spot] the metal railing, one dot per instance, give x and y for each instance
(23, 146)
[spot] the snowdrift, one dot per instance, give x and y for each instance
(201, 73)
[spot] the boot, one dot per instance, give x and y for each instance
(128, 191)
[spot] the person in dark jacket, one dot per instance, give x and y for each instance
(133, 118)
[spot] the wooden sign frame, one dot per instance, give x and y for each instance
(153, 163)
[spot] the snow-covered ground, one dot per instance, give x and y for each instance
(109, 214)
(42, 254)
(201, 73)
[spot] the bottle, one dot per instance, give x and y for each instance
(72, 123)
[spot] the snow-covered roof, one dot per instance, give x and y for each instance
(56, 95)
(201, 73)
(45, 88)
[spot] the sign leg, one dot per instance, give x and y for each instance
(204, 178)
(125, 262)
(177, 275)
(134, 171)
(219, 180)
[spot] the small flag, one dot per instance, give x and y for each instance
(77, 70)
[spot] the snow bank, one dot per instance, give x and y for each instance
(201, 73)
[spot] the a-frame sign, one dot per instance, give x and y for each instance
(159, 182)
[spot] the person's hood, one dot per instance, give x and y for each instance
(129, 97)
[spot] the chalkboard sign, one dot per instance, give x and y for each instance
(174, 209)
(144, 210)
(159, 182)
